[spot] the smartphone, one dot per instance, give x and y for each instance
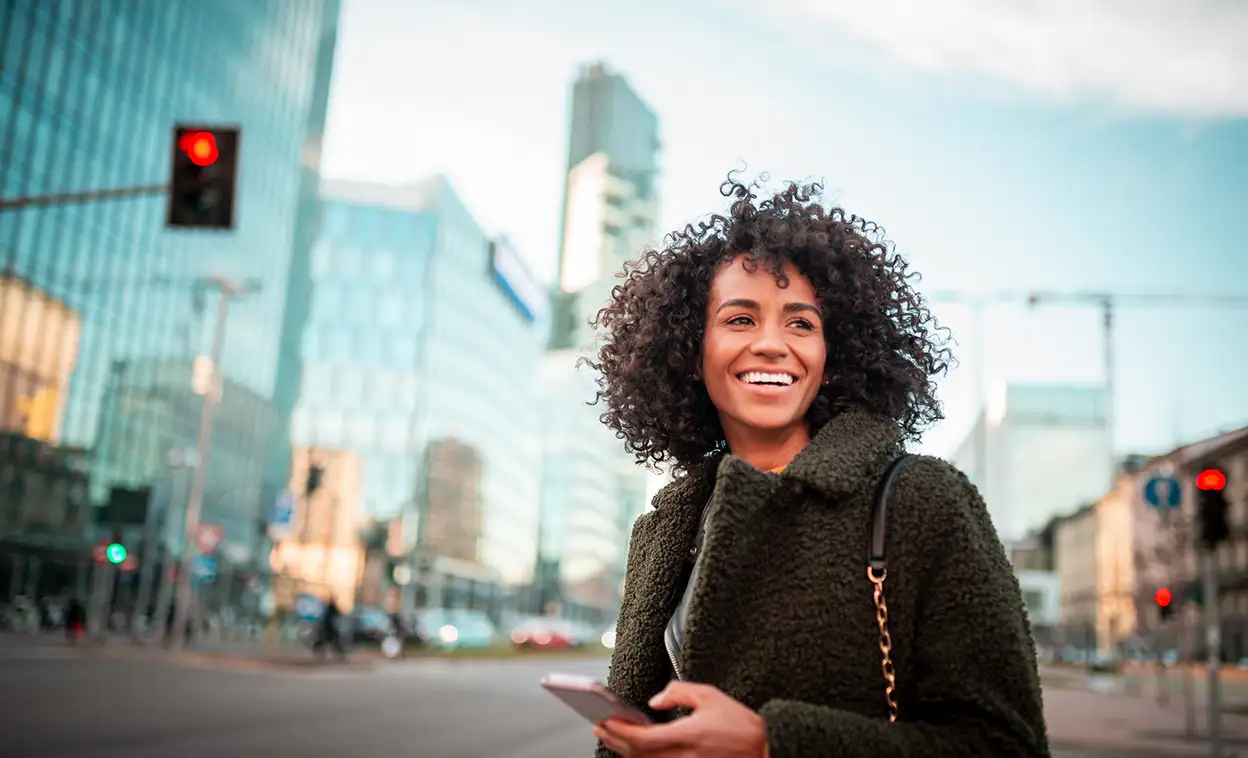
(591, 699)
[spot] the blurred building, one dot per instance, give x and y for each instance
(451, 522)
(1120, 530)
(148, 428)
(1074, 540)
(37, 359)
(89, 93)
(592, 491)
(609, 220)
(1164, 550)
(425, 330)
(1047, 447)
(43, 485)
(321, 552)
(610, 201)
(1033, 561)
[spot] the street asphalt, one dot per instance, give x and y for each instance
(57, 703)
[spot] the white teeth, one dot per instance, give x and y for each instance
(758, 377)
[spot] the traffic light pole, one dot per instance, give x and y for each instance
(190, 549)
(66, 198)
(1213, 646)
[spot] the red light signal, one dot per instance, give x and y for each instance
(203, 175)
(200, 147)
(1162, 597)
(1210, 479)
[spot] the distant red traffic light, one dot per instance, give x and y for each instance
(200, 147)
(1210, 479)
(1162, 597)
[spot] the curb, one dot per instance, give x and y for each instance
(1197, 749)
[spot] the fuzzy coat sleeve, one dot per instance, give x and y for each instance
(976, 690)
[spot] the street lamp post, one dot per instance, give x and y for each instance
(228, 290)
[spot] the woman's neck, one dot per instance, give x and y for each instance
(768, 450)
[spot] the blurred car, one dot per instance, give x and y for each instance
(369, 624)
(453, 628)
(545, 634)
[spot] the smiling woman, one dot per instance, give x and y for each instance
(882, 345)
(777, 359)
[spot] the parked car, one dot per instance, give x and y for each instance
(370, 624)
(543, 633)
(454, 628)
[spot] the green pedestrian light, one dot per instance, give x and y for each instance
(116, 553)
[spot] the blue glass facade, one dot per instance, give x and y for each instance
(89, 93)
(414, 341)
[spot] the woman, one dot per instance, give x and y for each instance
(778, 359)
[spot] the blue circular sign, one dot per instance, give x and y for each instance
(309, 607)
(1163, 492)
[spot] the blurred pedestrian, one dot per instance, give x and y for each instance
(329, 634)
(398, 629)
(778, 359)
(75, 620)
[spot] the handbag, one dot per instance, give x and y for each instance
(877, 572)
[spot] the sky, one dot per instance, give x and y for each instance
(1007, 146)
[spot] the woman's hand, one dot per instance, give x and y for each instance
(719, 727)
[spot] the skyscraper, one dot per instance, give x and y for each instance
(89, 93)
(610, 195)
(421, 357)
(592, 490)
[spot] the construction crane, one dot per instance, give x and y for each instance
(1107, 302)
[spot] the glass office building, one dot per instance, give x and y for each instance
(610, 124)
(592, 490)
(421, 355)
(89, 94)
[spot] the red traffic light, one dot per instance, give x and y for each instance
(1210, 479)
(200, 147)
(1162, 597)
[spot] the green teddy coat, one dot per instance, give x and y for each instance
(783, 619)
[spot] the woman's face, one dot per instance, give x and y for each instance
(763, 352)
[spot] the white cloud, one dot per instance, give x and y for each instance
(1183, 57)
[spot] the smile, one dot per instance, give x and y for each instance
(767, 378)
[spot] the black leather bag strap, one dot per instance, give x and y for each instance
(879, 514)
(877, 572)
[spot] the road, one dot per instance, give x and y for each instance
(58, 703)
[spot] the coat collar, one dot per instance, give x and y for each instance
(845, 457)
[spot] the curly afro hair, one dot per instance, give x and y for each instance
(883, 345)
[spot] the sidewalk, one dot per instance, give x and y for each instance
(1143, 682)
(1120, 725)
(254, 652)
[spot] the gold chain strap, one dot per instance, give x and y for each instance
(886, 640)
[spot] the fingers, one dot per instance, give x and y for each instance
(612, 742)
(686, 694)
(648, 740)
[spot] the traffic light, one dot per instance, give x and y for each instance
(116, 553)
(203, 175)
(1211, 509)
(1163, 598)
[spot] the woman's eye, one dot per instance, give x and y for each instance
(740, 321)
(802, 323)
